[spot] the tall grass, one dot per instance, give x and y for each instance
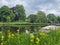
(36, 38)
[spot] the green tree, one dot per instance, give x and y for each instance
(19, 13)
(32, 18)
(58, 18)
(51, 17)
(5, 12)
(41, 17)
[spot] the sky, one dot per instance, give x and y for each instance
(32, 6)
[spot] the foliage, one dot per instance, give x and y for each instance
(58, 18)
(19, 13)
(52, 37)
(51, 17)
(41, 17)
(6, 13)
(32, 18)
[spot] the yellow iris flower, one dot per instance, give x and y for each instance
(32, 36)
(2, 38)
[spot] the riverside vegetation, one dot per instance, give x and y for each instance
(52, 37)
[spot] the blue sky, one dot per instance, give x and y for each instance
(32, 6)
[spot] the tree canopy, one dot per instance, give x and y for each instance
(58, 18)
(32, 18)
(19, 12)
(6, 14)
(51, 17)
(41, 17)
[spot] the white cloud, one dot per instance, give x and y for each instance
(32, 6)
(3, 2)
